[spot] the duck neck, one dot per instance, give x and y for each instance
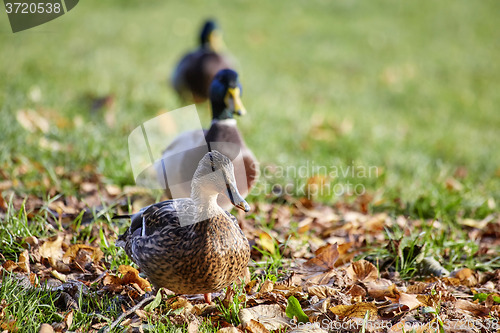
(206, 204)
(228, 121)
(221, 112)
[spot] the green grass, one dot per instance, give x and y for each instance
(14, 228)
(407, 88)
(31, 307)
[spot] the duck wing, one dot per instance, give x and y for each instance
(195, 72)
(161, 215)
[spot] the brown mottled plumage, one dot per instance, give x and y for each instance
(191, 245)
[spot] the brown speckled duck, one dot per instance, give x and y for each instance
(194, 72)
(191, 245)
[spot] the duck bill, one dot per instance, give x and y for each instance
(236, 198)
(235, 103)
(216, 42)
(243, 206)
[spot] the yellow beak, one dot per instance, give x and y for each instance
(243, 206)
(233, 101)
(216, 42)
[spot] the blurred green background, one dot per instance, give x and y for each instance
(408, 87)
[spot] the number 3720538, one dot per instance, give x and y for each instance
(32, 8)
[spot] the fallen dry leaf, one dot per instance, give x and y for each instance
(362, 271)
(9, 325)
(466, 276)
(474, 308)
(193, 326)
(72, 254)
(24, 262)
(392, 310)
(32, 121)
(272, 317)
(381, 288)
(10, 266)
(254, 326)
(52, 251)
(429, 300)
(356, 291)
(266, 242)
(46, 328)
(322, 291)
(267, 286)
(130, 275)
(325, 258)
(357, 310)
(321, 269)
(411, 301)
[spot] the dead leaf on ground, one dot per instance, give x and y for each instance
(322, 291)
(411, 301)
(321, 269)
(381, 288)
(474, 308)
(32, 121)
(130, 276)
(272, 317)
(10, 266)
(325, 258)
(267, 286)
(429, 300)
(45, 328)
(193, 326)
(255, 327)
(82, 255)
(357, 310)
(392, 310)
(356, 291)
(24, 262)
(52, 250)
(266, 242)
(466, 276)
(362, 271)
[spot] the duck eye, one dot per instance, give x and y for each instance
(212, 162)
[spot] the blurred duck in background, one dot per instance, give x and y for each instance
(196, 70)
(182, 156)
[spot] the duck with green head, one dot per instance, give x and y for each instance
(181, 156)
(195, 71)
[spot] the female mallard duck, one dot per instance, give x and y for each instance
(192, 76)
(223, 135)
(191, 245)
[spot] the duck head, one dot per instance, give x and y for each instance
(211, 37)
(225, 95)
(214, 176)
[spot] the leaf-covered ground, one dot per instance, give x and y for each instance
(406, 89)
(315, 268)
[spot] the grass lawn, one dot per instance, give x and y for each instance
(398, 98)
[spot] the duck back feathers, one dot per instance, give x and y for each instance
(199, 258)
